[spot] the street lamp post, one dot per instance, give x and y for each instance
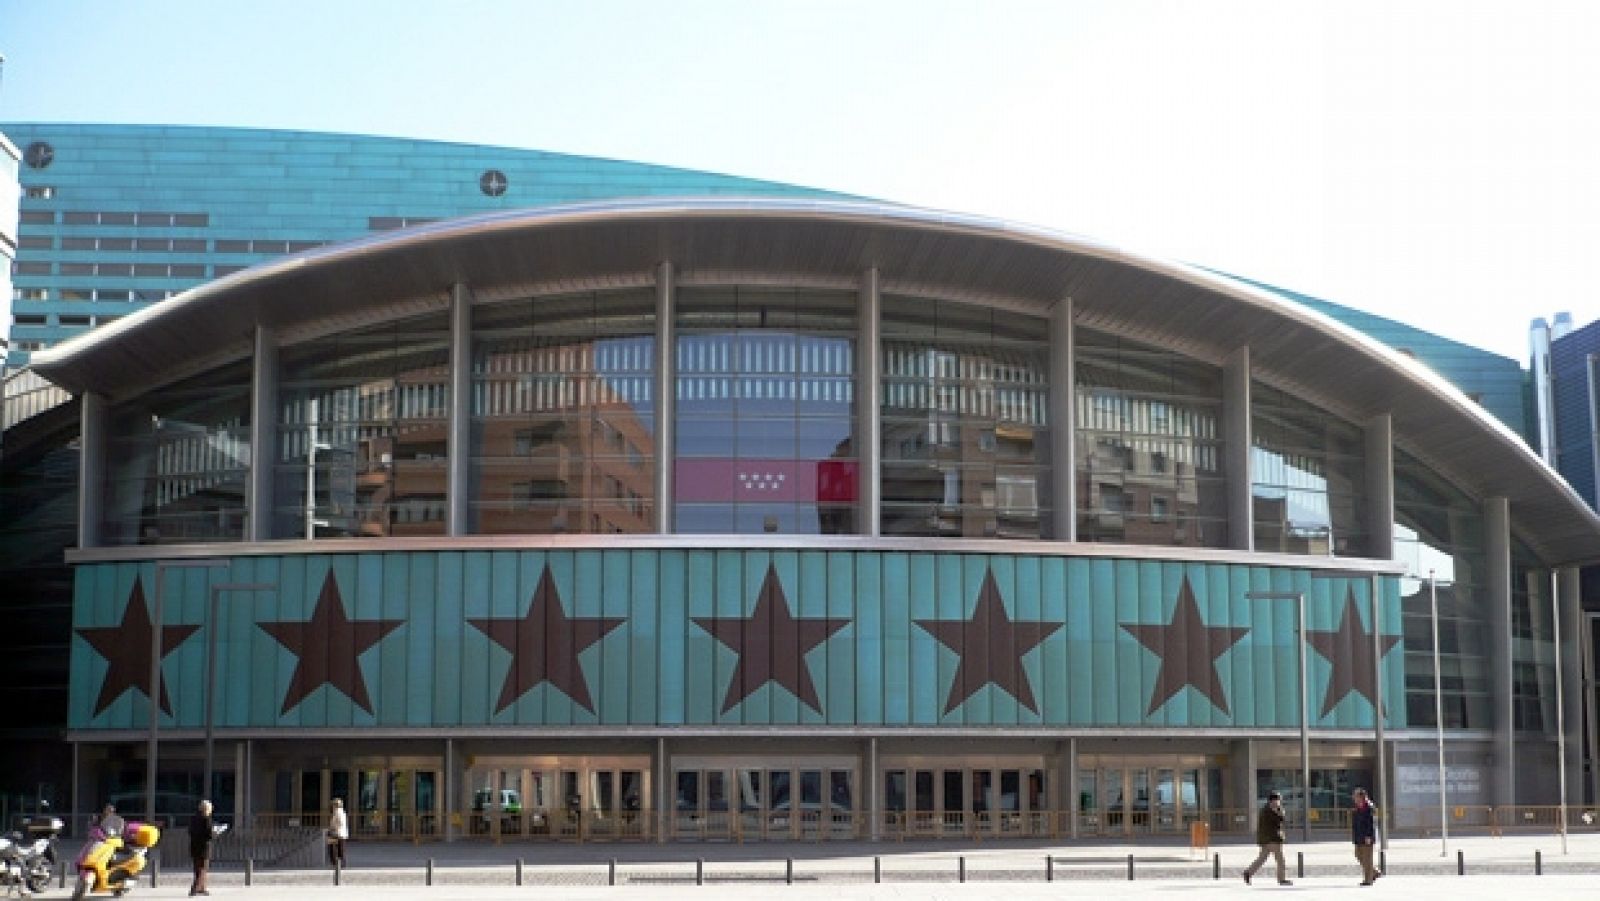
(1561, 724)
(1438, 716)
(155, 671)
(211, 666)
(1299, 598)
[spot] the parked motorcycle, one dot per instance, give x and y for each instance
(33, 856)
(111, 864)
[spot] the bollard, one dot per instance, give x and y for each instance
(249, 871)
(63, 874)
(338, 868)
(961, 869)
(155, 870)
(1049, 868)
(699, 871)
(1383, 862)
(1216, 866)
(1130, 867)
(1538, 863)
(877, 869)
(1300, 864)
(1461, 863)
(428, 878)
(788, 871)
(611, 873)
(519, 871)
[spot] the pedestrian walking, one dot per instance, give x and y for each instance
(338, 833)
(1364, 833)
(1269, 835)
(201, 834)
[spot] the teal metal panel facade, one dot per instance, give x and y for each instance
(665, 637)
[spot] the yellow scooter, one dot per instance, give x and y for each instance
(112, 865)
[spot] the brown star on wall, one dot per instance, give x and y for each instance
(1349, 649)
(1188, 649)
(329, 646)
(766, 651)
(126, 647)
(991, 646)
(545, 644)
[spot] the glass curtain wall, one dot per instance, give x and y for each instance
(1308, 470)
(367, 411)
(1149, 445)
(765, 411)
(1439, 528)
(965, 420)
(1533, 664)
(177, 460)
(563, 415)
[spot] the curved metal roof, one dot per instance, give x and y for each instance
(955, 256)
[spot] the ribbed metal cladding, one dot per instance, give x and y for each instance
(1237, 438)
(263, 435)
(666, 378)
(1063, 423)
(91, 468)
(869, 383)
(459, 451)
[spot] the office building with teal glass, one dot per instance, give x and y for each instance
(780, 515)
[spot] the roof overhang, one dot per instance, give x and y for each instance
(959, 257)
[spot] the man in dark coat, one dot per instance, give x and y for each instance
(1364, 833)
(1269, 835)
(201, 833)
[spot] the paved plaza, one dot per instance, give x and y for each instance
(1495, 868)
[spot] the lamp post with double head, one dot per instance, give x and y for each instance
(155, 670)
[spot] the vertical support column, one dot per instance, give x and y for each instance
(1571, 676)
(1074, 789)
(72, 819)
(458, 449)
(869, 424)
(666, 379)
(447, 809)
(91, 468)
(241, 781)
(1063, 429)
(1236, 438)
(263, 436)
(663, 791)
(1380, 708)
(874, 791)
(1497, 601)
(1380, 487)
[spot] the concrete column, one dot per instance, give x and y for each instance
(258, 491)
(91, 468)
(458, 447)
(1497, 605)
(1241, 786)
(874, 791)
(1063, 429)
(869, 422)
(1070, 802)
(241, 782)
(448, 789)
(666, 384)
(1236, 439)
(1380, 487)
(663, 791)
(1572, 632)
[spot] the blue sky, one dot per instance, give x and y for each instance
(1430, 161)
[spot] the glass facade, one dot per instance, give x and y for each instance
(1149, 445)
(563, 415)
(176, 462)
(1439, 529)
(1308, 472)
(965, 419)
(366, 411)
(1533, 665)
(766, 416)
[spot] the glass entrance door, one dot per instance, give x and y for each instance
(1121, 799)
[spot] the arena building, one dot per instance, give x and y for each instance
(583, 504)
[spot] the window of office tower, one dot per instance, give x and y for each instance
(368, 410)
(965, 419)
(765, 432)
(1308, 472)
(1439, 529)
(176, 460)
(563, 414)
(1149, 445)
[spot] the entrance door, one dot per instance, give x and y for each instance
(1131, 800)
(751, 800)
